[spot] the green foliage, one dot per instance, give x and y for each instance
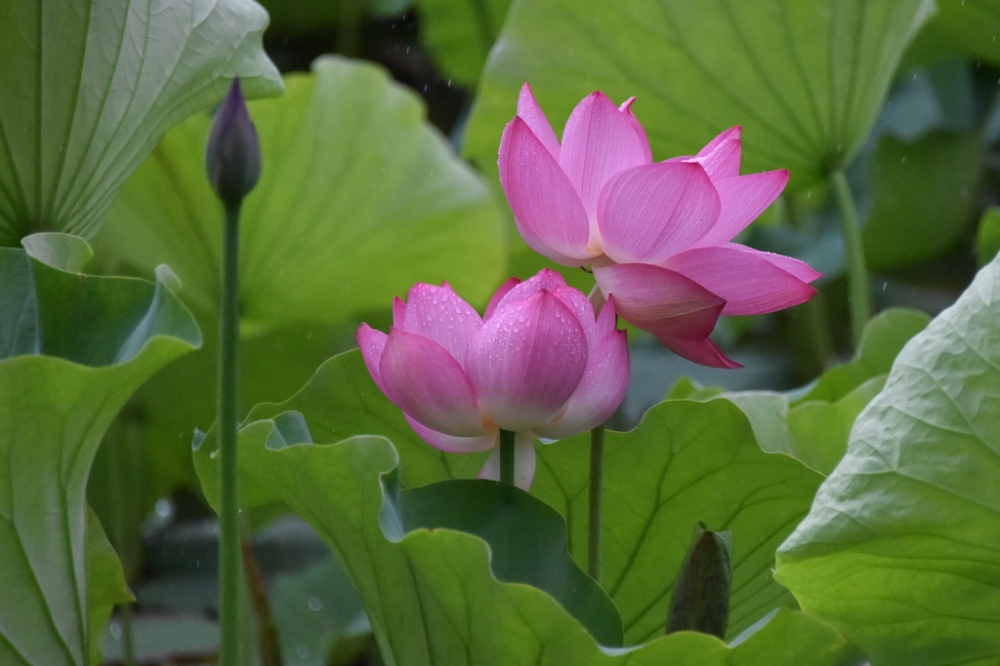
(805, 80)
(899, 549)
(460, 33)
(685, 463)
(73, 349)
(814, 426)
(923, 195)
(967, 28)
(106, 585)
(358, 199)
(89, 86)
(988, 236)
(353, 178)
(430, 594)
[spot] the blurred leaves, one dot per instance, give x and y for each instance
(359, 198)
(460, 34)
(89, 86)
(923, 193)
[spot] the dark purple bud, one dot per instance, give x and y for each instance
(700, 601)
(232, 155)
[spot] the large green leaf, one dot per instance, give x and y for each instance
(900, 550)
(804, 79)
(88, 87)
(686, 462)
(433, 597)
(90, 342)
(358, 199)
(701, 460)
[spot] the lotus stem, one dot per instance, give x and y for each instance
(596, 497)
(507, 457)
(859, 295)
(230, 562)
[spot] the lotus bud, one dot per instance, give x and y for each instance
(701, 594)
(232, 155)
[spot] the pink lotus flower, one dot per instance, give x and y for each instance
(538, 364)
(656, 234)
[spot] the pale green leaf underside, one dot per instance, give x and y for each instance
(88, 87)
(804, 79)
(105, 337)
(359, 198)
(900, 550)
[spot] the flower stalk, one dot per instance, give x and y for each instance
(507, 457)
(595, 499)
(859, 294)
(232, 160)
(230, 560)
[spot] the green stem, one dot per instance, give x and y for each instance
(230, 564)
(596, 494)
(507, 457)
(859, 295)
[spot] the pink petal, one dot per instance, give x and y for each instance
(398, 311)
(626, 109)
(796, 267)
(651, 212)
(580, 306)
(526, 361)
(607, 320)
(524, 462)
(743, 199)
(499, 294)
(723, 161)
(439, 314)
(423, 379)
(547, 209)
(599, 141)
(544, 280)
(372, 344)
(725, 135)
(532, 114)
(601, 390)
(749, 283)
(660, 300)
(451, 444)
(699, 351)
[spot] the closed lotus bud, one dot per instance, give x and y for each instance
(701, 594)
(232, 155)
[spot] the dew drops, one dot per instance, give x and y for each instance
(315, 604)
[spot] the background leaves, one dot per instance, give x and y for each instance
(805, 80)
(89, 86)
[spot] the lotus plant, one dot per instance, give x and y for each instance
(657, 234)
(538, 364)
